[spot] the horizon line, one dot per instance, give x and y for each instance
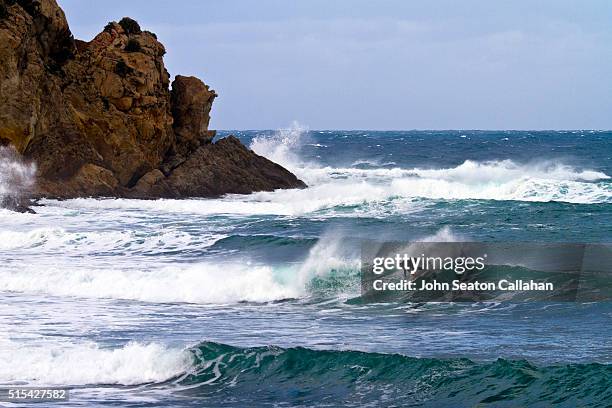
(418, 130)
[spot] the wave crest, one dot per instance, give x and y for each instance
(198, 283)
(53, 364)
(364, 379)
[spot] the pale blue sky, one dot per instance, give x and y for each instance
(384, 64)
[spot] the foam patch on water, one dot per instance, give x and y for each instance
(136, 242)
(82, 364)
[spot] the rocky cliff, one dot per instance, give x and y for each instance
(99, 118)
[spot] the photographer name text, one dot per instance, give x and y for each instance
(458, 285)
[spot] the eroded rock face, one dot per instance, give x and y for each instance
(98, 118)
(35, 42)
(191, 104)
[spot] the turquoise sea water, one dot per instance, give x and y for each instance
(254, 300)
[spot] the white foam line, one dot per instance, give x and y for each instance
(87, 363)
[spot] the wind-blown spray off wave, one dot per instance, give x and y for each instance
(283, 147)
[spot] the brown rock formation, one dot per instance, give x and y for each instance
(191, 105)
(98, 118)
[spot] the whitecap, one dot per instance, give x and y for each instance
(47, 363)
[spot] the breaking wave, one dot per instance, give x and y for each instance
(381, 192)
(54, 364)
(364, 379)
(487, 180)
(197, 283)
(329, 269)
(217, 373)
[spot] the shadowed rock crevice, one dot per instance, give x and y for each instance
(99, 119)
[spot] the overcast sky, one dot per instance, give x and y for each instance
(384, 64)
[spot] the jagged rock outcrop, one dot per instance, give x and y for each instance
(191, 104)
(98, 118)
(226, 166)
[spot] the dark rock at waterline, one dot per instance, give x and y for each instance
(99, 119)
(17, 204)
(226, 166)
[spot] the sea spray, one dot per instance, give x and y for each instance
(16, 178)
(331, 266)
(283, 146)
(444, 234)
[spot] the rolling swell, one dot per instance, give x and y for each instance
(261, 376)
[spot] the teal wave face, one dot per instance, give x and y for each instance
(262, 376)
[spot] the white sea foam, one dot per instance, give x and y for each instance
(194, 283)
(81, 364)
(204, 282)
(54, 238)
(402, 188)
(487, 180)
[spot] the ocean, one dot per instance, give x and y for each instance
(254, 300)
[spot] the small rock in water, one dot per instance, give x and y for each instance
(17, 205)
